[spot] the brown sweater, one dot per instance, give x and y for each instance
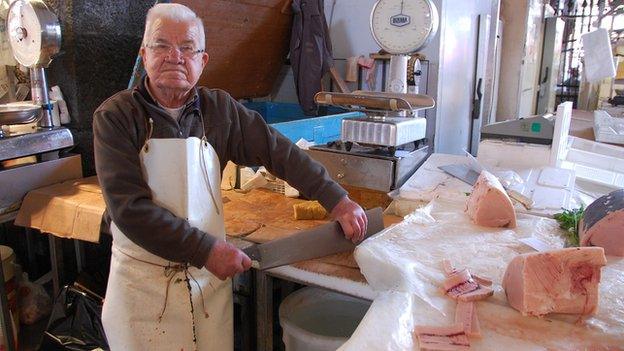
(236, 134)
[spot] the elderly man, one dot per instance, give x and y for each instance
(168, 287)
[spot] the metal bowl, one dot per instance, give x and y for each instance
(19, 113)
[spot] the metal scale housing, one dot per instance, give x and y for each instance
(383, 149)
(35, 38)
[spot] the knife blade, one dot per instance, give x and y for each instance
(326, 239)
(461, 172)
(469, 176)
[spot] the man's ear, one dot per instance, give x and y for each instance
(205, 59)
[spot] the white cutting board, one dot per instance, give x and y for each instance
(550, 188)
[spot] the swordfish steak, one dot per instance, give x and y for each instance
(557, 281)
(603, 224)
(489, 205)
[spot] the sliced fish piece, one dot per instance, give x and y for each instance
(442, 338)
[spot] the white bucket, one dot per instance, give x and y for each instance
(319, 320)
(8, 257)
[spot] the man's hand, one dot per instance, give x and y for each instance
(225, 260)
(352, 219)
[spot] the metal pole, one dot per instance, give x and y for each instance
(264, 311)
(56, 261)
(39, 92)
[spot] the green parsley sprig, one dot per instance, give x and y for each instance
(569, 220)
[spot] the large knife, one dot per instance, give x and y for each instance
(469, 176)
(320, 241)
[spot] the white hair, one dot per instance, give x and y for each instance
(173, 12)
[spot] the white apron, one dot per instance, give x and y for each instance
(148, 305)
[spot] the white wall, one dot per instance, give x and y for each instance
(350, 36)
(349, 27)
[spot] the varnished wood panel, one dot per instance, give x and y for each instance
(247, 42)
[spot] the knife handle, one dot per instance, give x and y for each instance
(525, 201)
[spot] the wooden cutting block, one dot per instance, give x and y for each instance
(261, 216)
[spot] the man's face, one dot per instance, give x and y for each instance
(173, 69)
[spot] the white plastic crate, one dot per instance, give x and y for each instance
(596, 162)
(608, 129)
(280, 186)
(263, 179)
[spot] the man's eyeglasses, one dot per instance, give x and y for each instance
(186, 51)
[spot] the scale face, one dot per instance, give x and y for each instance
(402, 27)
(24, 33)
(35, 38)
(34, 32)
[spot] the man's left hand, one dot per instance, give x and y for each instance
(352, 219)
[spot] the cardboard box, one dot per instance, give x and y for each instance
(27, 177)
(71, 209)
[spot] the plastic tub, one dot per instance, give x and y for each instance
(317, 320)
(289, 119)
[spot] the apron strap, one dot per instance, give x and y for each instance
(149, 128)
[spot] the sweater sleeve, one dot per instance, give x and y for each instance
(129, 200)
(252, 143)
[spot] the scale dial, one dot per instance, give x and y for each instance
(34, 32)
(403, 26)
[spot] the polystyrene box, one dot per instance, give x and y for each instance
(608, 129)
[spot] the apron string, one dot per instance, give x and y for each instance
(204, 144)
(170, 272)
(202, 164)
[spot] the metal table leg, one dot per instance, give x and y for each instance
(264, 311)
(30, 249)
(56, 260)
(80, 258)
(5, 316)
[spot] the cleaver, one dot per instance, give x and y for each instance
(469, 176)
(326, 239)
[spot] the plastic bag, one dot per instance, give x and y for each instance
(75, 323)
(509, 178)
(34, 302)
(403, 264)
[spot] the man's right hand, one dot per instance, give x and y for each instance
(225, 260)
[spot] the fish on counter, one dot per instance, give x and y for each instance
(466, 315)
(489, 204)
(462, 287)
(556, 281)
(451, 338)
(602, 224)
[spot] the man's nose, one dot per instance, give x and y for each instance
(174, 54)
